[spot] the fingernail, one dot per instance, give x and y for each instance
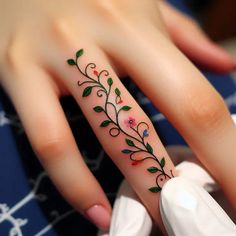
(99, 216)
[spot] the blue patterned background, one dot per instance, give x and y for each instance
(29, 204)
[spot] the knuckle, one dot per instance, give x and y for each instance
(15, 55)
(207, 110)
(11, 54)
(59, 28)
(49, 147)
(107, 11)
(105, 6)
(51, 140)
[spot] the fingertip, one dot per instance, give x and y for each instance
(218, 58)
(222, 53)
(234, 67)
(214, 57)
(203, 51)
(100, 216)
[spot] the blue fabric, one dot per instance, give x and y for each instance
(181, 5)
(29, 204)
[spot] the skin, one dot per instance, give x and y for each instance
(125, 38)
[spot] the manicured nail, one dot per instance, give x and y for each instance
(99, 216)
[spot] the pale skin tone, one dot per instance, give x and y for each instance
(125, 38)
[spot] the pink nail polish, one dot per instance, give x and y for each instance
(99, 216)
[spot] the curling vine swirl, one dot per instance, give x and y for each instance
(138, 149)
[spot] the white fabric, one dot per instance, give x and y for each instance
(129, 216)
(187, 209)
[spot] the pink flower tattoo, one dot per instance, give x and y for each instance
(130, 123)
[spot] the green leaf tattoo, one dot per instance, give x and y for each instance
(117, 91)
(129, 142)
(149, 148)
(110, 81)
(136, 133)
(105, 123)
(87, 91)
(71, 62)
(152, 169)
(79, 53)
(155, 189)
(125, 108)
(98, 109)
(162, 162)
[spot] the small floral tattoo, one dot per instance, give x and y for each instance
(130, 122)
(136, 133)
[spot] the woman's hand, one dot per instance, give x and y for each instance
(49, 49)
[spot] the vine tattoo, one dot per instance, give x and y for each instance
(136, 133)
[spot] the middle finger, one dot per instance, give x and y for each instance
(123, 129)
